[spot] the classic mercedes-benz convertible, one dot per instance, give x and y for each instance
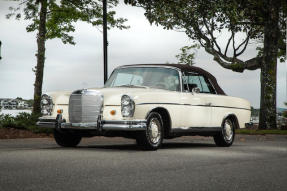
(148, 102)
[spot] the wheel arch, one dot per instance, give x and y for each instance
(166, 119)
(233, 117)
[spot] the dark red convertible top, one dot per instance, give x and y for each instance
(187, 68)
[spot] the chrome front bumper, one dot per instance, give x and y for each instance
(108, 125)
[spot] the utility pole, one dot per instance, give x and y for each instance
(105, 40)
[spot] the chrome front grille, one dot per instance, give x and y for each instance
(85, 106)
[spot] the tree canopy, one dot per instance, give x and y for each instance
(187, 55)
(205, 20)
(62, 15)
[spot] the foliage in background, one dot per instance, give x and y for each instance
(187, 55)
(285, 112)
(23, 121)
(254, 112)
(62, 15)
(244, 22)
(56, 19)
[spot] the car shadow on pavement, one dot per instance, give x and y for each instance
(135, 147)
(180, 145)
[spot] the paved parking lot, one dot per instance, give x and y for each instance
(187, 163)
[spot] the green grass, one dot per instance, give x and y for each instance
(261, 132)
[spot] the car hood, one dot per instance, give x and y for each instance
(112, 96)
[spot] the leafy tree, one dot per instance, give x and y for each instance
(19, 98)
(55, 19)
(262, 22)
(30, 102)
(187, 55)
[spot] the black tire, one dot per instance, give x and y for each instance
(66, 139)
(226, 137)
(152, 137)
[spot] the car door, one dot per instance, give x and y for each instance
(197, 107)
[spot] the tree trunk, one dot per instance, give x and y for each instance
(41, 38)
(267, 119)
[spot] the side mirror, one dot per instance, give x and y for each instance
(196, 90)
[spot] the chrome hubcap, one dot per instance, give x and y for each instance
(154, 130)
(228, 130)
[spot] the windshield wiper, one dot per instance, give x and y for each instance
(132, 86)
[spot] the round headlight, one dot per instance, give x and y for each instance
(127, 106)
(46, 105)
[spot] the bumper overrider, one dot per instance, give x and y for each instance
(109, 125)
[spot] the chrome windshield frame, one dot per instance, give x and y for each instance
(154, 66)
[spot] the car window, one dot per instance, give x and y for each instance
(125, 78)
(204, 85)
(193, 80)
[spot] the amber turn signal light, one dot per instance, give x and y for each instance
(59, 111)
(113, 112)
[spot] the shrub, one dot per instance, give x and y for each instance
(6, 121)
(24, 121)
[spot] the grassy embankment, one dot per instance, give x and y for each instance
(261, 132)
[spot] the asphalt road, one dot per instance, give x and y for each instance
(188, 163)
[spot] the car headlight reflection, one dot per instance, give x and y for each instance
(46, 105)
(127, 106)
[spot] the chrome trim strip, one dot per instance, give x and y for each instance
(46, 118)
(130, 125)
(117, 127)
(87, 126)
(46, 124)
(192, 105)
(126, 122)
(196, 129)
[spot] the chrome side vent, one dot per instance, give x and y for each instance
(85, 106)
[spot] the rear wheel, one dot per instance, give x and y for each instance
(226, 137)
(66, 139)
(151, 138)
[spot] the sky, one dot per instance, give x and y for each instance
(69, 67)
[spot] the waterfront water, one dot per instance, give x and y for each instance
(14, 112)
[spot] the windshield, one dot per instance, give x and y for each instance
(153, 77)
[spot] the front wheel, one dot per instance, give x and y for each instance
(151, 138)
(66, 139)
(226, 137)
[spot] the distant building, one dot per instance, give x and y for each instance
(8, 103)
(13, 104)
(21, 105)
(5, 103)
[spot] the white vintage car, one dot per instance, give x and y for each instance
(148, 103)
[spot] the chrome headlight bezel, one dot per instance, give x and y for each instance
(47, 105)
(127, 106)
